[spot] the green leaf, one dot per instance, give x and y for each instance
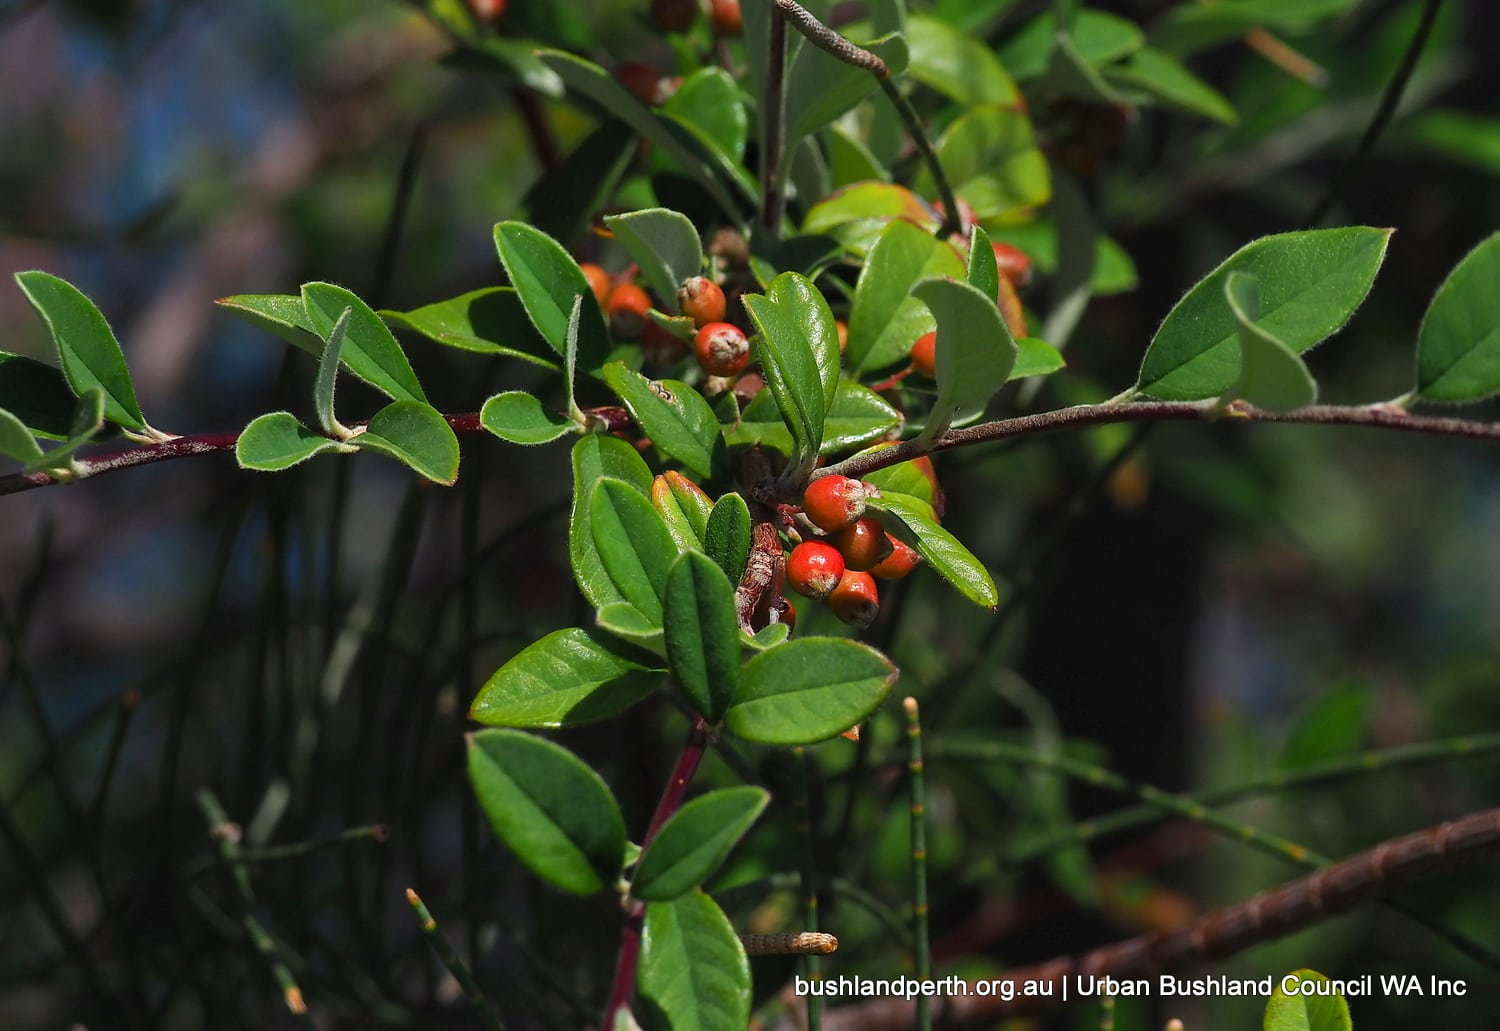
(588, 176)
(282, 315)
(548, 281)
(277, 441)
(990, 156)
(673, 414)
(768, 636)
(886, 319)
(726, 538)
(791, 367)
(1164, 79)
(696, 506)
(1272, 376)
(1071, 74)
(37, 395)
(695, 841)
(981, 270)
(1098, 37)
(869, 206)
(1458, 350)
(327, 379)
(1036, 358)
(940, 548)
(16, 440)
(702, 633)
(487, 321)
(820, 87)
(911, 478)
(88, 420)
(519, 417)
(858, 416)
(804, 302)
(595, 457)
(626, 621)
(86, 347)
(693, 973)
(975, 352)
(633, 544)
(711, 102)
(957, 64)
(415, 434)
(550, 809)
(1333, 724)
(808, 690)
(569, 677)
(1310, 284)
(1306, 1012)
(664, 244)
(1188, 28)
(370, 350)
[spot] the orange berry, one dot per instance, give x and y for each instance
(598, 280)
(863, 544)
(627, 307)
(1010, 308)
(701, 300)
(726, 17)
(1012, 263)
(901, 561)
(924, 355)
(722, 349)
(814, 569)
(834, 502)
(856, 599)
(842, 329)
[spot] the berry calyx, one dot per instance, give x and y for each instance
(599, 282)
(814, 569)
(924, 355)
(1012, 263)
(856, 599)
(834, 502)
(899, 563)
(863, 544)
(722, 349)
(726, 17)
(627, 307)
(701, 300)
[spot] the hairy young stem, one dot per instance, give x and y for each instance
(1272, 914)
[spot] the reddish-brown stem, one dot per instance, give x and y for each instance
(629, 953)
(1272, 914)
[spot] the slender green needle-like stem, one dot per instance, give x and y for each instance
(455, 964)
(917, 786)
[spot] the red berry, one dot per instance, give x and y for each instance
(1010, 308)
(814, 569)
(856, 600)
(487, 10)
(627, 307)
(863, 544)
(924, 355)
(640, 79)
(722, 349)
(1012, 263)
(901, 561)
(701, 300)
(674, 15)
(598, 282)
(726, 17)
(834, 502)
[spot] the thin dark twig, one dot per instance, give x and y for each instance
(390, 242)
(1389, 102)
(826, 39)
(773, 142)
(951, 222)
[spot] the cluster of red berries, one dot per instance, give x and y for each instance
(841, 566)
(722, 349)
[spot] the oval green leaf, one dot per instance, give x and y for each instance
(519, 417)
(673, 414)
(569, 677)
(791, 371)
(695, 841)
(1098, 37)
(370, 350)
(1036, 358)
(1458, 351)
(1271, 376)
(941, 549)
(37, 395)
(86, 347)
(808, 690)
(16, 440)
(88, 420)
(990, 156)
(551, 810)
(858, 416)
(1167, 81)
(277, 441)
(885, 319)
(693, 973)
(1310, 284)
(957, 64)
(726, 537)
(548, 281)
(633, 544)
(821, 87)
(1306, 1012)
(595, 457)
(702, 633)
(975, 351)
(415, 434)
(664, 244)
(328, 374)
(710, 101)
(487, 321)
